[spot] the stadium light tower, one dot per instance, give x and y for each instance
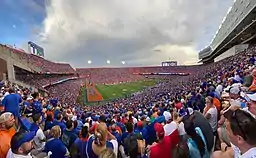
(123, 62)
(89, 61)
(108, 61)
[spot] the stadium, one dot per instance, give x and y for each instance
(126, 94)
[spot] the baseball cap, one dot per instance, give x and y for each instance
(30, 98)
(86, 125)
(159, 128)
(140, 124)
(25, 137)
(234, 90)
(167, 116)
(6, 116)
(148, 119)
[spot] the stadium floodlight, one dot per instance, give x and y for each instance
(123, 62)
(89, 61)
(108, 61)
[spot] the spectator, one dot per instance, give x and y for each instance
(11, 104)
(40, 139)
(48, 122)
(37, 105)
(200, 121)
(59, 122)
(78, 148)
(21, 145)
(240, 129)
(196, 141)
(165, 143)
(180, 125)
(101, 140)
(134, 146)
(211, 114)
(55, 145)
(107, 153)
(68, 136)
(180, 151)
(170, 125)
(6, 132)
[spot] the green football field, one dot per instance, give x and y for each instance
(121, 90)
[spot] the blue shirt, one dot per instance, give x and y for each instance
(57, 148)
(11, 103)
(193, 149)
(61, 124)
(37, 107)
(68, 138)
(48, 125)
(89, 150)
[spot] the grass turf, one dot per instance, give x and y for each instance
(109, 92)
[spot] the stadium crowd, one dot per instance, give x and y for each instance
(42, 65)
(210, 113)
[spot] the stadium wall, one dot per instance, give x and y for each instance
(8, 56)
(232, 51)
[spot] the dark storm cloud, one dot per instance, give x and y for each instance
(101, 30)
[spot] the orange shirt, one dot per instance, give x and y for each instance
(5, 145)
(217, 103)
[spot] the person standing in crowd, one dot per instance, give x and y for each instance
(7, 122)
(99, 141)
(241, 127)
(55, 145)
(107, 153)
(21, 145)
(77, 149)
(40, 139)
(170, 126)
(181, 128)
(164, 144)
(102, 119)
(201, 122)
(236, 99)
(37, 105)
(251, 105)
(196, 141)
(68, 137)
(129, 131)
(181, 150)
(11, 104)
(211, 114)
(59, 122)
(48, 122)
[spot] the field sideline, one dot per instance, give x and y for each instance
(121, 90)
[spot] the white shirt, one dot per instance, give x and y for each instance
(219, 89)
(236, 151)
(213, 119)
(169, 128)
(38, 139)
(115, 145)
(250, 153)
(181, 129)
(10, 154)
(5, 94)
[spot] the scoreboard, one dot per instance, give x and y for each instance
(169, 63)
(35, 49)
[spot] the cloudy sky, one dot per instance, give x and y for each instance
(139, 32)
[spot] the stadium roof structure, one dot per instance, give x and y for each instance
(238, 27)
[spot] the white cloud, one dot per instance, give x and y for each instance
(128, 30)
